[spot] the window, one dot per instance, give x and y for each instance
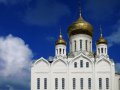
(74, 83)
(81, 63)
(107, 83)
(100, 83)
(57, 51)
(99, 50)
(60, 50)
(63, 51)
(63, 83)
(45, 83)
(87, 64)
(90, 45)
(38, 83)
(89, 83)
(105, 50)
(56, 83)
(80, 44)
(75, 45)
(102, 50)
(75, 64)
(86, 44)
(81, 83)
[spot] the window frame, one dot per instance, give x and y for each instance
(87, 64)
(107, 83)
(100, 83)
(89, 83)
(81, 63)
(63, 83)
(74, 83)
(45, 83)
(56, 83)
(75, 64)
(38, 83)
(81, 83)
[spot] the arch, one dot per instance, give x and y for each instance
(60, 61)
(83, 67)
(104, 60)
(43, 61)
(103, 65)
(81, 55)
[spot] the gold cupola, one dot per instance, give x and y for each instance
(101, 40)
(60, 40)
(80, 27)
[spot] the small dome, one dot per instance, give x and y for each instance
(61, 41)
(101, 40)
(80, 27)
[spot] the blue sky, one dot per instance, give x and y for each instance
(29, 28)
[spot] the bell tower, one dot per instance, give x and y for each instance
(60, 48)
(80, 35)
(101, 45)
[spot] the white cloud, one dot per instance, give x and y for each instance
(15, 59)
(117, 67)
(114, 38)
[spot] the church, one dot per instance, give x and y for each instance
(81, 68)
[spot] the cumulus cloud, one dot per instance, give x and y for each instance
(114, 37)
(15, 59)
(13, 2)
(46, 12)
(117, 66)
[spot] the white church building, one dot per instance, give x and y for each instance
(81, 68)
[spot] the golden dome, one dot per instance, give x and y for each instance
(80, 27)
(101, 40)
(60, 40)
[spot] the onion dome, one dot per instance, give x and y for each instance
(80, 27)
(101, 40)
(61, 40)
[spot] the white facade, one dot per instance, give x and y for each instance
(81, 69)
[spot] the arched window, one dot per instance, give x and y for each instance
(63, 51)
(45, 83)
(101, 50)
(86, 42)
(81, 83)
(38, 83)
(63, 83)
(90, 45)
(74, 83)
(87, 64)
(57, 51)
(81, 63)
(107, 83)
(80, 44)
(75, 64)
(75, 45)
(105, 50)
(89, 83)
(100, 83)
(60, 50)
(56, 83)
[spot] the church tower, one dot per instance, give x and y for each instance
(60, 48)
(101, 45)
(80, 35)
